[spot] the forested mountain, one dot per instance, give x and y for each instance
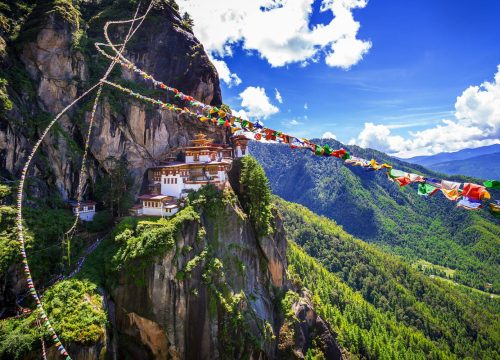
(454, 156)
(482, 166)
(460, 244)
(380, 306)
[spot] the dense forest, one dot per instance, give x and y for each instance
(457, 244)
(381, 307)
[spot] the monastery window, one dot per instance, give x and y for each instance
(176, 180)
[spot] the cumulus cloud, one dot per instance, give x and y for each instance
(292, 122)
(379, 137)
(225, 74)
(278, 97)
(347, 52)
(280, 31)
(476, 123)
(329, 135)
(257, 103)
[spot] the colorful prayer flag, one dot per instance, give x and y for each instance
(450, 189)
(475, 192)
(492, 184)
(469, 204)
(425, 189)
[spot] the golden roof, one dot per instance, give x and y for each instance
(201, 140)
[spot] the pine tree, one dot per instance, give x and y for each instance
(256, 195)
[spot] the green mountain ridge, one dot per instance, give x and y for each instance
(381, 307)
(376, 210)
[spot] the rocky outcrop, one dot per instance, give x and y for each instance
(309, 328)
(57, 71)
(177, 315)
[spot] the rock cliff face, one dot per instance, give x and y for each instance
(227, 307)
(182, 319)
(55, 71)
(218, 295)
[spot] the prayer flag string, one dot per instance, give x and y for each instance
(19, 219)
(470, 197)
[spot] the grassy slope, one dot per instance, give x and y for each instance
(382, 307)
(370, 207)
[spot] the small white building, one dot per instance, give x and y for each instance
(155, 205)
(86, 210)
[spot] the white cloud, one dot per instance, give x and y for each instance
(240, 113)
(347, 52)
(306, 106)
(476, 123)
(329, 135)
(379, 137)
(225, 74)
(280, 31)
(278, 96)
(292, 122)
(257, 103)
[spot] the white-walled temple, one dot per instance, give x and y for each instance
(86, 211)
(205, 163)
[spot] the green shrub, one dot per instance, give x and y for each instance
(76, 313)
(256, 196)
(75, 310)
(142, 239)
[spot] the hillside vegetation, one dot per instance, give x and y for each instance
(376, 210)
(380, 307)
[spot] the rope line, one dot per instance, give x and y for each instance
(19, 219)
(92, 116)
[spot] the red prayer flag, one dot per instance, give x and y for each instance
(473, 191)
(339, 153)
(403, 181)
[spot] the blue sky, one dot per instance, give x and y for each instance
(402, 74)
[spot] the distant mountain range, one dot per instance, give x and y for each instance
(376, 210)
(482, 162)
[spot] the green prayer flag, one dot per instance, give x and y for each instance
(319, 150)
(346, 156)
(327, 150)
(396, 173)
(425, 189)
(492, 184)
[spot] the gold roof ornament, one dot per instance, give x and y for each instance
(201, 140)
